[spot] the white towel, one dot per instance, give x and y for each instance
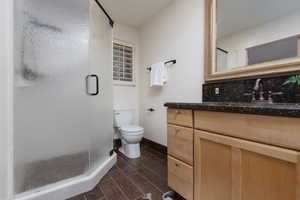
(158, 74)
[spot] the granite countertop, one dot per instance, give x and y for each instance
(276, 109)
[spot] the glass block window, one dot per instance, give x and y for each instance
(122, 62)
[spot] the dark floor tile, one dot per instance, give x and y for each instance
(159, 182)
(107, 176)
(156, 153)
(95, 194)
(79, 197)
(111, 191)
(126, 185)
(156, 166)
(157, 175)
(91, 197)
(146, 186)
(179, 198)
(125, 166)
(130, 179)
(133, 162)
(159, 167)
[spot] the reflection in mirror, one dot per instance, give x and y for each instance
(250, 32)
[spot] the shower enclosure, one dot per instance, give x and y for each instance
(63, 125)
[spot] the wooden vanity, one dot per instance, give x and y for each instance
(232, 156)
(239, 151)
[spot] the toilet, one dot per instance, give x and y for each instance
(131, 134)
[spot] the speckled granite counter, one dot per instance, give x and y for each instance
(287, 110)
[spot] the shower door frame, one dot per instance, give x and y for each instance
(6, 98)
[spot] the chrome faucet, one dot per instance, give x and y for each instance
(257, 84)
(258, 87)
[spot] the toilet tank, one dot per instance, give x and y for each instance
(123, 117)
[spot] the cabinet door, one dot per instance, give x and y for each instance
(227, 168)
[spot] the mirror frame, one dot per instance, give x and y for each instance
(286, 66)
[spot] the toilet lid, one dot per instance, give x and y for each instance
(132, 128)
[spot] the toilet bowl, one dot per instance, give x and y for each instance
(131, 134)
(131, 137)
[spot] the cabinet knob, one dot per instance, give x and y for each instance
(177, 165)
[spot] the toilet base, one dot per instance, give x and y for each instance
(130, 150)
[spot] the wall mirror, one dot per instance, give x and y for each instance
(252, 38)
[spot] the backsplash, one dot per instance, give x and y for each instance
(233, 91)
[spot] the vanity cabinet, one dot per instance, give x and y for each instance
(227, 168)
(232, 156)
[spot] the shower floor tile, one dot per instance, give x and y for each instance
(132, 179)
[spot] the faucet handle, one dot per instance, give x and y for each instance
(275, 93)
(270, 99)
(251, 94)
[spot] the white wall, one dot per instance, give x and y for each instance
(126, 96)
(176, 32)
(277, 29)
(5, 98)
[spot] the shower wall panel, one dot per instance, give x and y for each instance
(52, 112)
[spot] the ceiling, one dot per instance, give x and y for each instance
(133, 12)
(237, 15)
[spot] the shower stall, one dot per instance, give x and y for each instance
(62, 109)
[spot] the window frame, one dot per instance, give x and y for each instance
(126, 83)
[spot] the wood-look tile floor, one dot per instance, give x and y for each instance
(131, 179)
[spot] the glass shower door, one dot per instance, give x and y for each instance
(58, 127)
(100, 54)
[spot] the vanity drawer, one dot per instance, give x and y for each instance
(274, 130)
(180, 117)
(180, 143)
(180, 177)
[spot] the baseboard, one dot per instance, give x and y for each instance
(72, 187)
(159, 147)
